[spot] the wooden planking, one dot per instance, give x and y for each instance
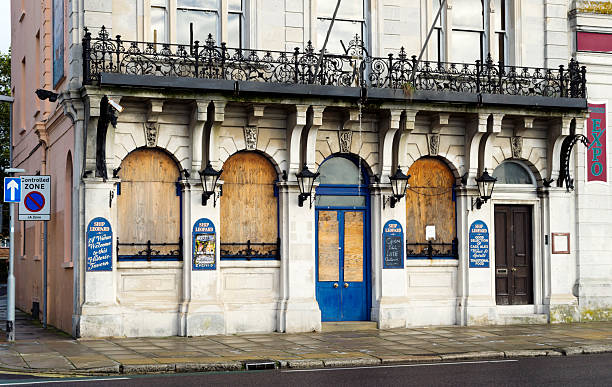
(328, 243)
(353, 246)
(248, 205)
(429, 201)
(148, 207)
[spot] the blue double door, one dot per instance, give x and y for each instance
(342, 285)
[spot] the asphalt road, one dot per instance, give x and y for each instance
(585, 370)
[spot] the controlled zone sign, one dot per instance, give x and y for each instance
(35, 201)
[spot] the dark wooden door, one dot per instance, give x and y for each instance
(513, 255)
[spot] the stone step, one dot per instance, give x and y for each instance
(525, 319)
(348, 326)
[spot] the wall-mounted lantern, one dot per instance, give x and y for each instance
(399, 184)
(305, 180)
(209, 179)
(485, 184)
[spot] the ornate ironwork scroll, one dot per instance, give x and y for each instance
(566, 152)
(151, 252)
(251, 250)
(432, 249)
(355, 68)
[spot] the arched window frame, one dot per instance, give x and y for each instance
(500, 187)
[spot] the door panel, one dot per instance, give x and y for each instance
(328, 244)
(329, 247)
(353, 289)
(353, 246)
(513, 255)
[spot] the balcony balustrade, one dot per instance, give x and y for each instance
(355, 69)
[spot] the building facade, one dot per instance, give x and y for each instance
(149, 100)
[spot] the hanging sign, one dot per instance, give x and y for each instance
(99, 245)
(393, 245)
(597, 163)
(204, 245)
(479, 244)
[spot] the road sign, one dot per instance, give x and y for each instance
(12, 189)
(36, 194)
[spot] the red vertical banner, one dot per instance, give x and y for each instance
(597, 165)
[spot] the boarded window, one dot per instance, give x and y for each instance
(429, 202)
(148, 206)
(249, 224)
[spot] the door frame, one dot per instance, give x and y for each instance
(529, 210)
(525, 195)
(337, 190)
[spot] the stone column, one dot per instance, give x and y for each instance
(100, 313)
(298, 308)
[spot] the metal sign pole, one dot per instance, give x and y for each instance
(10, 288)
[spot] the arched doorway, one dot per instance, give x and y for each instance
(342, 233)
(149, 207)
(430, 203)
(249, 208)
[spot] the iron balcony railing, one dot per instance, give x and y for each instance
(250, 250)
(432, 250)
(104, 54)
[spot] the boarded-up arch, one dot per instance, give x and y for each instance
(429, 202)
(148, 205)
(248, 206)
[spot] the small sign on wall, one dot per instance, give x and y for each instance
(479, 245)
(99, 245)
(393, 245)
(204, 245)
(560, 242)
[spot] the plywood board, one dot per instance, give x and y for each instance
(148, 207)
(329, 258)
(353, 246)
(248, 205)
(429, 201)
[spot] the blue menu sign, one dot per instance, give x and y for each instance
(479, 244)
(393, 245)
(99, 245)
(204, 245)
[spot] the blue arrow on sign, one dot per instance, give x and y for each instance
(12, 189)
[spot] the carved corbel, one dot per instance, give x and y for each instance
(199, 114)
(215, 116)
(439, 121)
(389, 127)
(41, 131)
(345, 133)
(485, 157)
(558, 130)
(151, 127)
(476, 128)
(296, 122)
(92, 103)
(522, 125)
(309, 138)
(251, 130)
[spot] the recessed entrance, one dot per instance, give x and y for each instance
(343, 256)
(513, 255)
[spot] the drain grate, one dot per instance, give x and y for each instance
(256, 365)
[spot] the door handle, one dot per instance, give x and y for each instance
(514, 269)
(335, 285)
(345, 285)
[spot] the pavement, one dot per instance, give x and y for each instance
(37, 350)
